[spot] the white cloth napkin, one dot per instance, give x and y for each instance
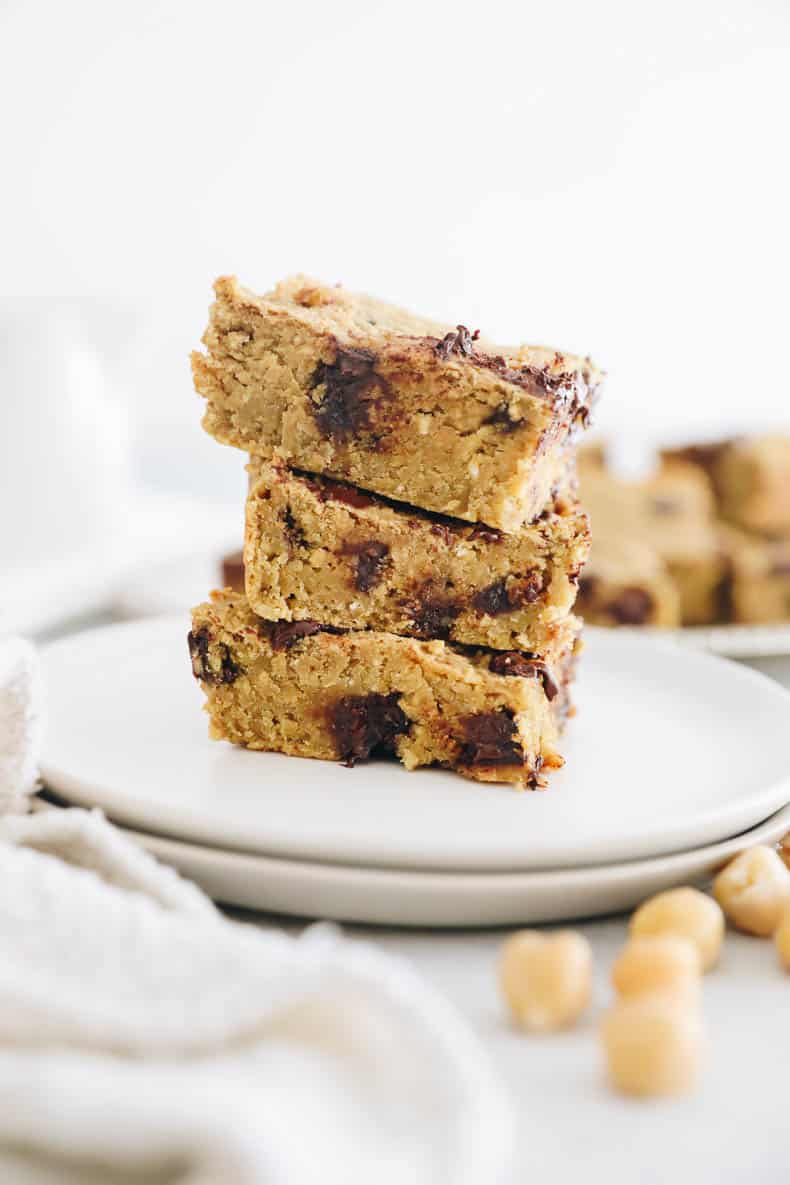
(144, 1038)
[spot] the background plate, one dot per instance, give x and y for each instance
(411, 898)
(670, 750)
(732, 641)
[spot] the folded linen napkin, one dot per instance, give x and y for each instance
(144, 1038)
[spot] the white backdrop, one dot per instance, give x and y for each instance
(612, 178)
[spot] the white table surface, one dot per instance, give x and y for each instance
(733, 1130)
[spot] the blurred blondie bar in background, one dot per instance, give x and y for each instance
(703, 539)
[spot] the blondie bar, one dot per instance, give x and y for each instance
(315, 691)
(670, 512)
(627, 583)
(751, 479)
(759, 571)
(355, 389)
(320, 550)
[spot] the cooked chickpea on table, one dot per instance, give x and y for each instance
(653, 1033)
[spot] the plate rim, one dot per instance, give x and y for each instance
(431, 899)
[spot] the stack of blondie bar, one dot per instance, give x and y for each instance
(413, 538)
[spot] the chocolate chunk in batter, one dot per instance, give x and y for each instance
(293, 530)
(351, 388)
(490, 738)
(665, 507)
(516, 663)
(229, 670)
(364, 723)
(499, 598)
(493, 599)
(633, 606)
(501, 418)
(284, 634)
(431, 616)
(371, 560)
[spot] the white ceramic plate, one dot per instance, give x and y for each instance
(414, 898)
(731, 641)
(670, 750)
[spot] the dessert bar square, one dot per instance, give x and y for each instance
(627, 583)
(751, 479)
(316, 549)
(670, 512)
(759, 589)
(352, 388)
(311, 691)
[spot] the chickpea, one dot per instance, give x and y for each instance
(686, 913)
(784, 849)
(782, 940)
(662, 963)
(546, 979)
(753, 890)
(653, 1045)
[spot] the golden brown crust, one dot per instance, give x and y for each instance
(358, 390)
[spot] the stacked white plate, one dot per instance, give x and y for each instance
(675, 761)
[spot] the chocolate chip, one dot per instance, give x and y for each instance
(459, 342)
(431, 616)
(371, 560)
(293, 530)
(335, 491)
(780, 568)
(493, 599)
(229, 670)
(525, 666)
(501, 418)
(364, 723)
(500, 597)
(525, 590)
(490, 738)
(632, 606)
(724, 592)
(351, 389)
(285, 634)
(665, 507)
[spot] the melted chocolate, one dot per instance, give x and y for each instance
(371, 560)
(501, 418)
(490, 738)
(351, 389)
(633, 606)
(362, 724)
(431, 616)
(492, 600)
(499, 598)
(285, 634)
(229, 670)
